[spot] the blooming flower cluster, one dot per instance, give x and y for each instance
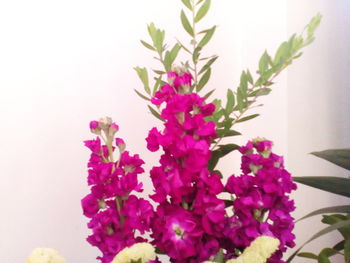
(259, 250)
(45, 255)
(139, 252)
(190, 223)
(115, 213)
(190, 217)
(262, 205)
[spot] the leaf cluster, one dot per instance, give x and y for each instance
(339, 221)
(245, 96)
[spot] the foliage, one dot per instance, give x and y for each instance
(339, 221)
(238, 101)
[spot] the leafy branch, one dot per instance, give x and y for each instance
(198, 11)
(167, 57)
(249, 90)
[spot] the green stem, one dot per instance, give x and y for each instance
(194, 42)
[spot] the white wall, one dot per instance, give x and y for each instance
(318, 108)
(64, 63)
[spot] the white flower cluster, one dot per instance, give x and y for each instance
(45, 255)
(260, 250)
(143, 251)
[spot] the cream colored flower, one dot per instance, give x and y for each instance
(45, 255)
(143, 251)
(260, 250)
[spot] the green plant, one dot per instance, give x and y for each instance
(339, 221)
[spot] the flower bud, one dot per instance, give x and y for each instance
(120, 144)
(105, 122)
(94, 127)
(113, 129)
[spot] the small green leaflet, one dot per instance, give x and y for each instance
(248, 118)
(141, 95)
(143, 75)
(207, 37)
(203, 10)
(187, 3)
(155, 113)
(230, 101)
(208, 64)
(186, 24)
(204, 80)
(149, 46)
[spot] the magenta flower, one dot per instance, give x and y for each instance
(177, 232)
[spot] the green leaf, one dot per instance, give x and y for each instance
(314, 23)
(167, 61)
(175, 51)
(260, 92)
(244, 82)
(149, 46)
(203, 10)
(186, 24)
(326, 210)
(204, 80)
(307, 255)
(143, 75)
(156, 85)
(230, 101)
(339, 246)
(336, 185)
(213, 161)
(152, 31)
(264, 62)
(248, 118)
(320, 233)
(196, 54)
(208, 64)
(347, 250)
(281, 54)
(155, 113)
(159, 38)
(227, 133)
(219, 258)
(323, 258)
(249, 77)
(159, 72)
(187, 3)
(240, 100)
(340, 157)
(207, 37)
(141, 95)
(219, 153)
(336, 218)
(227, 148)
(170, 56)
(328, 252)
(209, 93)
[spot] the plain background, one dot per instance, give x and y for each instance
(64, 63)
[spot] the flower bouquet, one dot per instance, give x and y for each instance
(194, 213)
